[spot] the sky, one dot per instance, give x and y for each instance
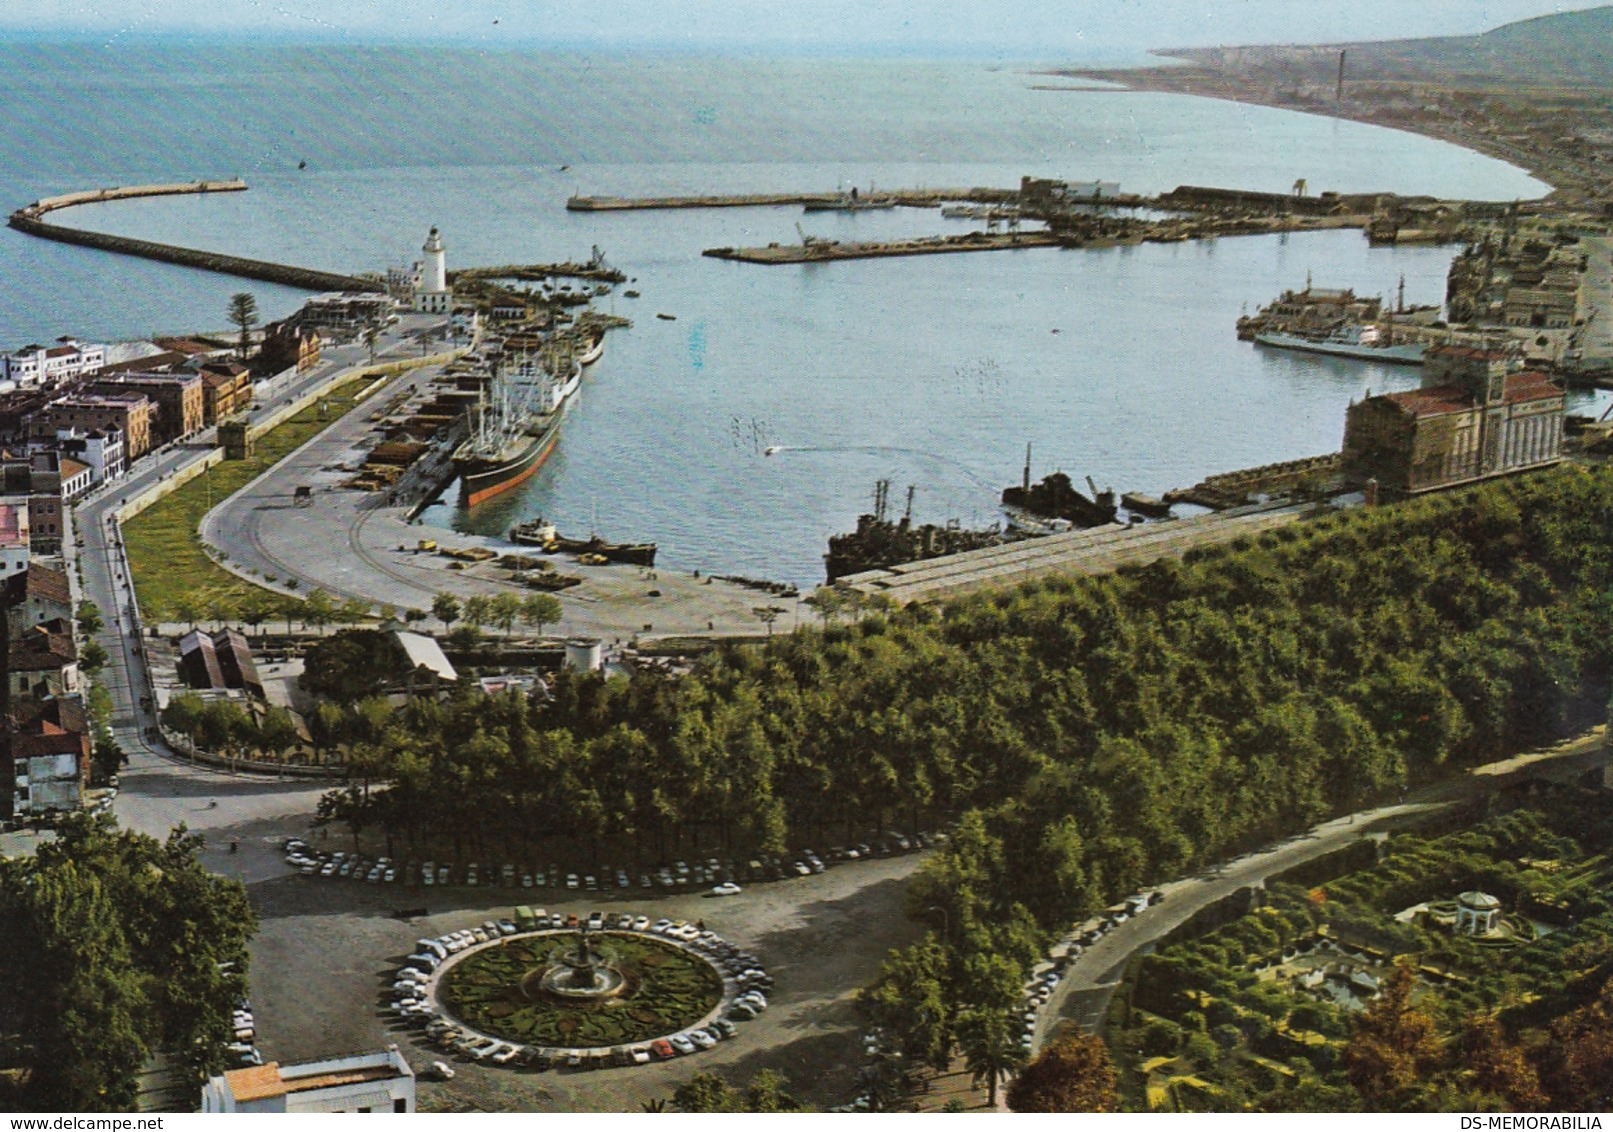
(1024, 29)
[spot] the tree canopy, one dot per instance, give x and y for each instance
(118, 946)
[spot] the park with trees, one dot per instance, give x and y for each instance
(1084, 735)
(118, 948)
(1518, 1020)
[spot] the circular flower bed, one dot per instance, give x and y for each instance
(500, 991)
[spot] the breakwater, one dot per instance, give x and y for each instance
(29, 219)
(819, 250)
(910, 198)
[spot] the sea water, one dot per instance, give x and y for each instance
(933, 372)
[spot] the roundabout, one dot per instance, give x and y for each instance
(572, 995)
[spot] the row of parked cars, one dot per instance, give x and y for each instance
(243, 1049)
(411, 1000)
(679, 875)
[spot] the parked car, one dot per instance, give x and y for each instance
(682, 1043)
(663, 1049)
(441, 1070)
(727, 888)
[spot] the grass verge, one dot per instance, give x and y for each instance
(174, 578)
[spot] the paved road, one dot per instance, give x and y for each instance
(157, 784)
(355, 545)
(326, 950)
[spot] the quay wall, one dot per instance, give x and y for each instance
(29, 220)
(915, 198)
(132, 506)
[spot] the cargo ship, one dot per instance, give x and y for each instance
(517, 429)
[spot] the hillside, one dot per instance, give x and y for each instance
(1565, 49)
(1537, 93)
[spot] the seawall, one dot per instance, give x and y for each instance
(30, 220)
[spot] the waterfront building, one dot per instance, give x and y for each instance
(129, 413)
(337, 315)
(1041, 195)
(178, 400)
(1470, 420)
(432, 295)
(44, 366)
(288, 344)
(226, 390)
(428, 668)
(365, 1082)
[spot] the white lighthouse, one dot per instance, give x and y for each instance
(433, 295)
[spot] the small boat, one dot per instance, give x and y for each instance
(542, 534)
(631, 294)
(1139, 503)
(771, 448)
(592, 354)
(666, 317)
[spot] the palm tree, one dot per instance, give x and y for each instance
(991, 1048)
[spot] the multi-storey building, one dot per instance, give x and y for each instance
(179, 400)
(1470, 420)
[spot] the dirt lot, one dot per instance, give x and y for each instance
(326, 950)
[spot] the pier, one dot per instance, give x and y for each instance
(815, 251)
(1100, 550)
(1227, 490)
(910, 198)
(30, 220)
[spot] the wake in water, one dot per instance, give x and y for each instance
(875, 449)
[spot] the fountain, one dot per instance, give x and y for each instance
(586, 973)
(579, 989)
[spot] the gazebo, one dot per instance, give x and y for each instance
(1477, 913)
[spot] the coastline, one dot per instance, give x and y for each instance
(1190, 77)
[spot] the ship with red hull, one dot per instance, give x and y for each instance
(517, 423)
(482, 477)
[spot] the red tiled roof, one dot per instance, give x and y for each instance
(40, 651)
(1475, 352)
(1431, 402)
(27, 745)
(48, 584)
(1530, 385)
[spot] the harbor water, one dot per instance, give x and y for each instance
(933, 371)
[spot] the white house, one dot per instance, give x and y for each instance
(36, 365)
(366, 1082)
